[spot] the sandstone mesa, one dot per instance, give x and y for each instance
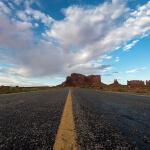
(80, 80)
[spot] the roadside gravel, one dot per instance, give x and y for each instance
(30, 120)
(95, 128)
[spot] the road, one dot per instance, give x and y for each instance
(111, 120)
(30, 120)
(102, 120)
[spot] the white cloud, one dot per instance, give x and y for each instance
(15, 71)
(106, 57)
(7, 80)
(17, 2)
(117, 59)
(88, 68)
(37, 15)
(4, 8)
(112, 73)
(23, 16)
(91, 33)
(77, 43)
(15, 35)
(129, 46)
(136, 70)
(11, 5)
(23, 26)
(36, 25)
(100, 30)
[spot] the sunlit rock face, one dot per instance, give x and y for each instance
(81, 80)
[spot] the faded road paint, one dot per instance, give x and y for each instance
(66, 136)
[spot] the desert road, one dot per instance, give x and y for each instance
(74, 119)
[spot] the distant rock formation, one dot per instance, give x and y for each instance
(147, 82)
(135, 83)
(115, 82)
(79, 80)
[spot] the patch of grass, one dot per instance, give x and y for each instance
(120, 90)
(9, 89)
(123, 88)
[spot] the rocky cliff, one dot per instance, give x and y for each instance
(135, 83)
(148, 83)
(79, 80)
(116, 83)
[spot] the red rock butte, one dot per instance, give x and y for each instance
(115, 82)
(135, 83)
(147, 82)
(79, 80)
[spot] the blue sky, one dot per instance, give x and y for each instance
(42, 42)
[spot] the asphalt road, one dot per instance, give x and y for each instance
(103, 120)
(106, 120)
(30, 120)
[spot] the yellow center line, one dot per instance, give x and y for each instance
(66, 136)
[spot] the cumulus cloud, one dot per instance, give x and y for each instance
(136, 70)
(100, 30)
(77, 43)
(15, 34)
(88, 29)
